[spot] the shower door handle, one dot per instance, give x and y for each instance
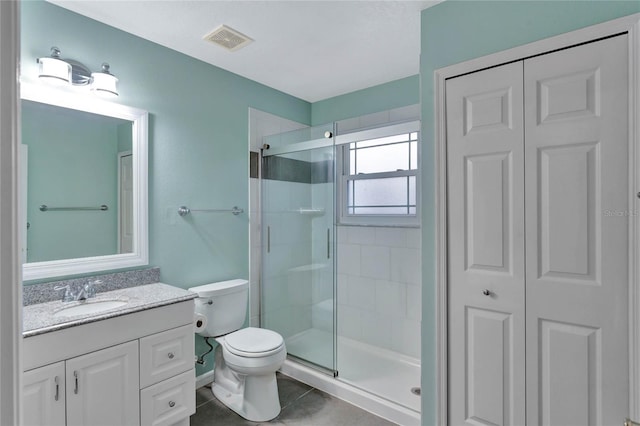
(268, 239)
(328, 243)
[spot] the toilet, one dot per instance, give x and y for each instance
(246, 359)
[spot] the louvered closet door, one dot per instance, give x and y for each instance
(577, 215)
(485, 158)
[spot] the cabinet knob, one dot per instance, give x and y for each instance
(170, 355)
(172, 404)
(486, 292)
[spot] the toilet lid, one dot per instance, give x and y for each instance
(254, 340)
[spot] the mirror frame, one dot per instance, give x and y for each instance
(140, 120)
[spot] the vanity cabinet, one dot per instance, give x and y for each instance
(99, 388)
(128, 370)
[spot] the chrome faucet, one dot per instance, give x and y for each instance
(85, 292)
(68, 295)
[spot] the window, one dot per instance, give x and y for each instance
(379, 181)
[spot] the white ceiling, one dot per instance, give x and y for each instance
(310, 49)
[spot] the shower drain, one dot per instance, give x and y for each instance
(415, 391)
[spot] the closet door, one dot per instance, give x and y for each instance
(577, 217)
(485, 158)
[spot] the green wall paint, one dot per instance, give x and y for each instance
(394, 94)
(72, 161)
(456, 31)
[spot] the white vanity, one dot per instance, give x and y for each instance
(130, 365)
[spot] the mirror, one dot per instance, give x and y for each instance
(83, 184)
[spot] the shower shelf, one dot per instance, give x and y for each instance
(310, 212)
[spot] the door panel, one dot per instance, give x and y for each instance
(570, 366)
(103, 387)
(487, 199)
(569, 208)
(486, 247)
(577, 192)
(43, 396)
(488, 346)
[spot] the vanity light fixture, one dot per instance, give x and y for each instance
(104, 83)
(55, 70)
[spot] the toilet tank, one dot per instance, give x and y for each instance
(224, 304)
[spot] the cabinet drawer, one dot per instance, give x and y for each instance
(166, 354)
(170, 401)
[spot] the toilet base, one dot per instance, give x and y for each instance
(254, 398)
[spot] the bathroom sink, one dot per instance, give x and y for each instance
(88, 308)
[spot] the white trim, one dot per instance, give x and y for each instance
(634, 253)
(139, 119)
(442, 389)
(629, 24)
(10, 254)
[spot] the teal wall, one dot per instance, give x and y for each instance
(394, 94)
(456, 31)
(72, 161)
(198, 130)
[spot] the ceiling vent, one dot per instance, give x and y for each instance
(228, 38)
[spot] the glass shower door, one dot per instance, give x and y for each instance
(298, 272)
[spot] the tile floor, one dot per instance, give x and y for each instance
(301, 405)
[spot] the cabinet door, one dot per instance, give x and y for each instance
(43, 396)
(485, 155)
(103, 387)
(578, 212)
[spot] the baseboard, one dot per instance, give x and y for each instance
(204, 379)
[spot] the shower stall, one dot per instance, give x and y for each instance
(336, 319)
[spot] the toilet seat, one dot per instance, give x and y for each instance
(253, 342)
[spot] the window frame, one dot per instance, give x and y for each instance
(343, 176)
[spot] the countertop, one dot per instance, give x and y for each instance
(40, 318)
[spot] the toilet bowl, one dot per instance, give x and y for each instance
(244, 376)
(246, 359)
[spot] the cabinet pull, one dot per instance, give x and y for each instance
(170, 355)
(56, 380)
(75, 390)
(172, 404)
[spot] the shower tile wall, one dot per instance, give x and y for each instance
(379, 291)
